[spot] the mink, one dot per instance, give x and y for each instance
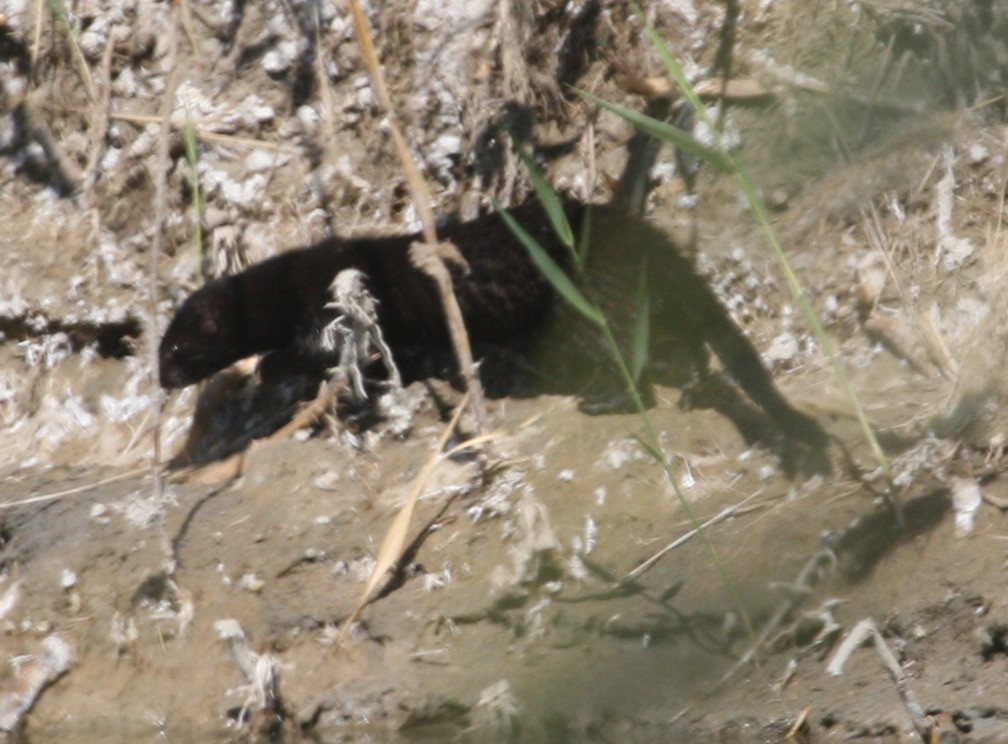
(511, 311)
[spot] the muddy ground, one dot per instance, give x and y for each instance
(195, 606)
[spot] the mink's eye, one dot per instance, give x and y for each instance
(171, 353)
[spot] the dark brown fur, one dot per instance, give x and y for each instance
(506, 302)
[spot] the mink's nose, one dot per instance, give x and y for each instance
(170, 375)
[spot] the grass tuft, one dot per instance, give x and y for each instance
(550, 201)
(553, 273)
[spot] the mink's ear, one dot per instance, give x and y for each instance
(208, 309)
(208, 324)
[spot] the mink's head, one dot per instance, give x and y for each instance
(204, 337)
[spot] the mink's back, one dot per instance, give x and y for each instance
(503, 297)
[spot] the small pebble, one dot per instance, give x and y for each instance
(251, 583)
(978, 153)
(68, 579)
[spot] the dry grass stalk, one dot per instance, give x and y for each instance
(327, 106)
(201, 128)
(934, 342)
(437, 253)
(160, 210)
(1004, 189)
(798, 730)
(807, 578)
(395, 539)
(861, 633)
(227, 469)
(37, 35)
(786, 76)
(183, 6)
(737, 90)
(719, 517)
(100, 112)
(875, 234)
(75, 491)
(83, 71)
(927, 332)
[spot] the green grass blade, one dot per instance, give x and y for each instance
(668, 59)
(549, 199)
(762, 218)
(664, 132)
(553, 273)
(199, 206)
(642, 327)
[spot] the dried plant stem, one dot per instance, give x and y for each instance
(807, 578)
(719, 517)
(183, 6)
(57, 9)
(100, 113)
(432, 264)
(37, 36)
(1004, 187)
(75, 491)
(861, 633)
(395, 539)
(200, 127)
(160, 210)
